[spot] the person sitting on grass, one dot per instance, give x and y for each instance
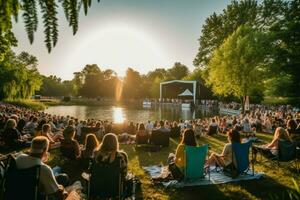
(213, 127)
(12, 137)
(225, 158)
(37, 156)
(46, 131)
(141, 135)
(91, 145)
(246, 127)
(188, 139)
(69, 146)
(162, 128)
(270, 150)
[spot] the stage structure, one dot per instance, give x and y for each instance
(180, 89)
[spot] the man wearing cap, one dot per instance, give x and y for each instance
(38, 154)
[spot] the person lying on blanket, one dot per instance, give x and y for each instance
(188, 138)
(225, 158)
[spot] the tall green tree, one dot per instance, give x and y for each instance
(177, 72)
(286, 45)
(19, 76)
(237, 66)
(218, 27)
(92, 81)
(132, 84)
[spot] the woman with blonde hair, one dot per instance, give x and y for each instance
(109, 151)
(271, 149)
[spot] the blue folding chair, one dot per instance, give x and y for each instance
(240, 158)
(195, 162)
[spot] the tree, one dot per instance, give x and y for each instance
(218, 27)
(155, 89)
(7, 40)
(19, 77)
(92, 81)
(237, 66)
(29, 8)
(158, 72)
(177, 72)
(286, 41)
(132, 84)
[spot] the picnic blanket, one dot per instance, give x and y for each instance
(215, 178)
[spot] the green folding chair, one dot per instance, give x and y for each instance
(195, 162)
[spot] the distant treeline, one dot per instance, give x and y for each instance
(92, 82)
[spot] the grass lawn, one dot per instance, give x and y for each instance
(274, 185)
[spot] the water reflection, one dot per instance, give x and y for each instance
(118, 116)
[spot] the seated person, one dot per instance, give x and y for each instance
(225, 158)
(271, 150)
(46, 131)
(109, 150)
(12, 137)
(188, 138)
(175, 130)
(37, 156)
(91, 145)
(213, 127)
(99, 130)
(31, 126)
(267, 125)
(223, 125)
(69, 146)
(246, 126)
(198, 128)
(131, 129)
(291, 126)
(20, 126)
(162, 128)
(142, 136)
(160, 136)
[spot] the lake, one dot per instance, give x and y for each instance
(121, 113)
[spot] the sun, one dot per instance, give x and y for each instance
(118, 46)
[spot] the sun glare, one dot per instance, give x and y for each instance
(118, 47)
(118, 115)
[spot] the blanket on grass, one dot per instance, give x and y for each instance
(215, 178)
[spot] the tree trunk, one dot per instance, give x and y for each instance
(243, 104)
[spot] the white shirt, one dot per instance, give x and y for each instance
(47, 178)
(149, 127)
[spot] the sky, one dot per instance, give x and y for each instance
(117, 34)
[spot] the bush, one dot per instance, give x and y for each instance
(26, 103)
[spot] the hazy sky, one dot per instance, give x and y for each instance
(116, 34)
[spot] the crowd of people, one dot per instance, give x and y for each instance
(92, 139)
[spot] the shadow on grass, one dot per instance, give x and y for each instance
(266, 188)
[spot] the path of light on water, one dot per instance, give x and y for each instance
(118, 115)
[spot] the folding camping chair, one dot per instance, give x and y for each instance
(240, 158)
(287, 153)
(195, 162)
(20, 183)
(105, 181)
